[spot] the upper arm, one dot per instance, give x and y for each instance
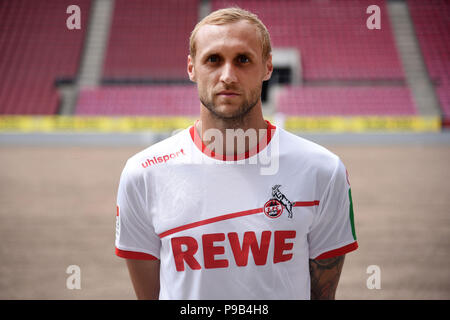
(144, 275)
(332, 235)
(325, 274)
(332, 232)
(136, 239)
(135, 230)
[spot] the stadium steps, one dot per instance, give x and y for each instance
(413, 63)
(96, 43)
(90, 70)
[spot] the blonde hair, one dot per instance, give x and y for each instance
(230, 15)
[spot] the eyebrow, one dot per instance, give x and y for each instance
(246, 53)
(216, 53)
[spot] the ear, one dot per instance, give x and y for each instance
(190, 68)
(269, 68)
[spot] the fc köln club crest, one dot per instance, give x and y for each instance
(275, 206)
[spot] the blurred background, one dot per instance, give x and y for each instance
(85, 84)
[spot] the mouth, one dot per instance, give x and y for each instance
(227, 93)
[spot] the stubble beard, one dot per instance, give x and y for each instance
(238, 117)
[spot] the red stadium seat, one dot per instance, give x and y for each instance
(169, 100)
(432, 23)
(443, 92)
(149, 39)
(345, 101)
(331, 36)
(37, 50)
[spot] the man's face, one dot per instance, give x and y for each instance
(229, 68)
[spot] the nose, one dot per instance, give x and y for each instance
(228, 74)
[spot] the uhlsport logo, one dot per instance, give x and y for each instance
(275, 206)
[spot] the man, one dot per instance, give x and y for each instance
(198, 218)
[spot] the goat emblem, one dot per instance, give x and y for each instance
(278, 195)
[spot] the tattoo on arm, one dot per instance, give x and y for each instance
(325, 275)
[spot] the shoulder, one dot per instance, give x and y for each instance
(161, 153)
(308, 154)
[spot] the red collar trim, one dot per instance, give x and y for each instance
(255, 150)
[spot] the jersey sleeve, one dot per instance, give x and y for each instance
(135, 234)
(332, 232)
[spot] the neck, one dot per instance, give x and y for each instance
(230, 136)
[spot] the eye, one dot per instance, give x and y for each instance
(213, 58)
(243, 59)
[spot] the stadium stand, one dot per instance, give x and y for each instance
(335, 45)
(345, 101)
(149, 40)
(146, 62)
(37, 51)
(443, 92)
(346, 70)
(432, 26)
(156, 100)
(331, 36)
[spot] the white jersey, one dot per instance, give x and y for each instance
(241, 228)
